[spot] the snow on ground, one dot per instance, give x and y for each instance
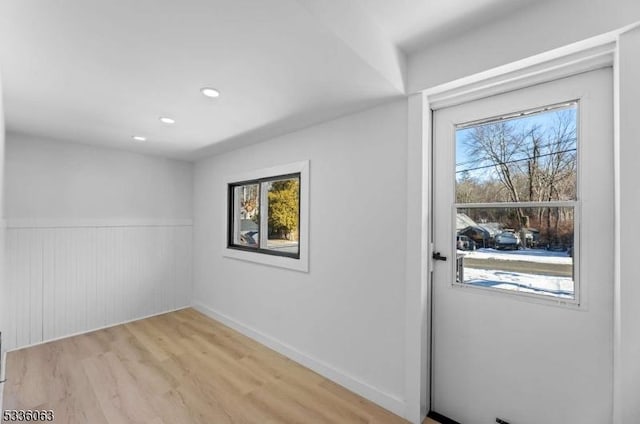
(529, 255)
(526, 283)
(561, 287)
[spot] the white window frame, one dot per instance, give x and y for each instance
(575, 204)
(297, 264)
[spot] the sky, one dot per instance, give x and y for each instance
(464, 161)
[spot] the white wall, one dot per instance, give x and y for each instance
(95, 237)
(49, 179)
(544, 26)
(628, 358)
(346, 317)
(3, 295)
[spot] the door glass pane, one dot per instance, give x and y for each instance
(284, 215)
(494, 251)
(247, 215)
(528, 157)
(525, 159)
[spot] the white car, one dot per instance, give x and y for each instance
(508, 240)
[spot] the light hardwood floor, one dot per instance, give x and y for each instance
(175, 368)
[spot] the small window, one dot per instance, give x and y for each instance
(267, 216)
(517, 202)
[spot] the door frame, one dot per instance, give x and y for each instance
(583, 56)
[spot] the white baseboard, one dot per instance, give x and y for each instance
(386, 400)
(91, 330)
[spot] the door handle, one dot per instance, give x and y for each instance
(438, 257)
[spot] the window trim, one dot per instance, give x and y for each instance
(578, 299)
(297, 262)
(263, 205)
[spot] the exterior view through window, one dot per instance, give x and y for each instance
(516, 202)
(264, 215)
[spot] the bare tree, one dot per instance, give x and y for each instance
(497, 144)
(530, 161)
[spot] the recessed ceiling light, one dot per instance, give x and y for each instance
(139, 138)
(210, 92)
(166, 120)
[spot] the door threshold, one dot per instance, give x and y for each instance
(441, 418)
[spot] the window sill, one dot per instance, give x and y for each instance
(301, 265)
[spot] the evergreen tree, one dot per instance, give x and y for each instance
(284, 207)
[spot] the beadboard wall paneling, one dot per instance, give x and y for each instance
(65, 279)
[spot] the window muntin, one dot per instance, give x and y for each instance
(517, 202)
(264, 215)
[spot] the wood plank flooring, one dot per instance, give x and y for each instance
(175, 368)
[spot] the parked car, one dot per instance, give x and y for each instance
(508, 240)
(249, 238)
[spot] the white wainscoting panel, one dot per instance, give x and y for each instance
(65, 279)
